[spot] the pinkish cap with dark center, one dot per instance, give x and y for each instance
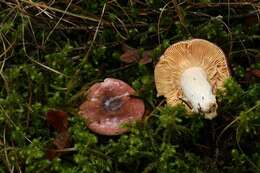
(109, 105)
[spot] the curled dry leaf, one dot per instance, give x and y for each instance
(255, 72)
(250, 74)
(62, 140)
(58, 120)
(130, 54)
(146, 58)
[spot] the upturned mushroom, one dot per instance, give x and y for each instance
(109, 105)
(191, 72)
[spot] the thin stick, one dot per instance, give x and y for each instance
(159, 21)
(60, 11)
(95, 35)
(65, 11)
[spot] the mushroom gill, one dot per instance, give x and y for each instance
(192, 71)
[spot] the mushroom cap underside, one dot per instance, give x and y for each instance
(186, 54)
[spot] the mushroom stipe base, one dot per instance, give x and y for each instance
(198, 92)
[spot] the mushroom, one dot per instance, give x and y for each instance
(191, 71)
(109, 105)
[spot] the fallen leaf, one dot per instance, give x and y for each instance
(250, 73)
(58, 119)
(130, 54)
(52, 153)
(62, 140)
(146, 58)
(126, 48)
(255, 72)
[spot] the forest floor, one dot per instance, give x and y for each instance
(52, 51)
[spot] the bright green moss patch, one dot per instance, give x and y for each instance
(50, 56)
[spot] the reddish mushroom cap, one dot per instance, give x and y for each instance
(109, 105)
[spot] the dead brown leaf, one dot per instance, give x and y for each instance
(58, 119)
(146, 57)
(255, 72)
(250, 75)
(130, 54)
(62, 140)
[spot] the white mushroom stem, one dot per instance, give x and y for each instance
(198, 92)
